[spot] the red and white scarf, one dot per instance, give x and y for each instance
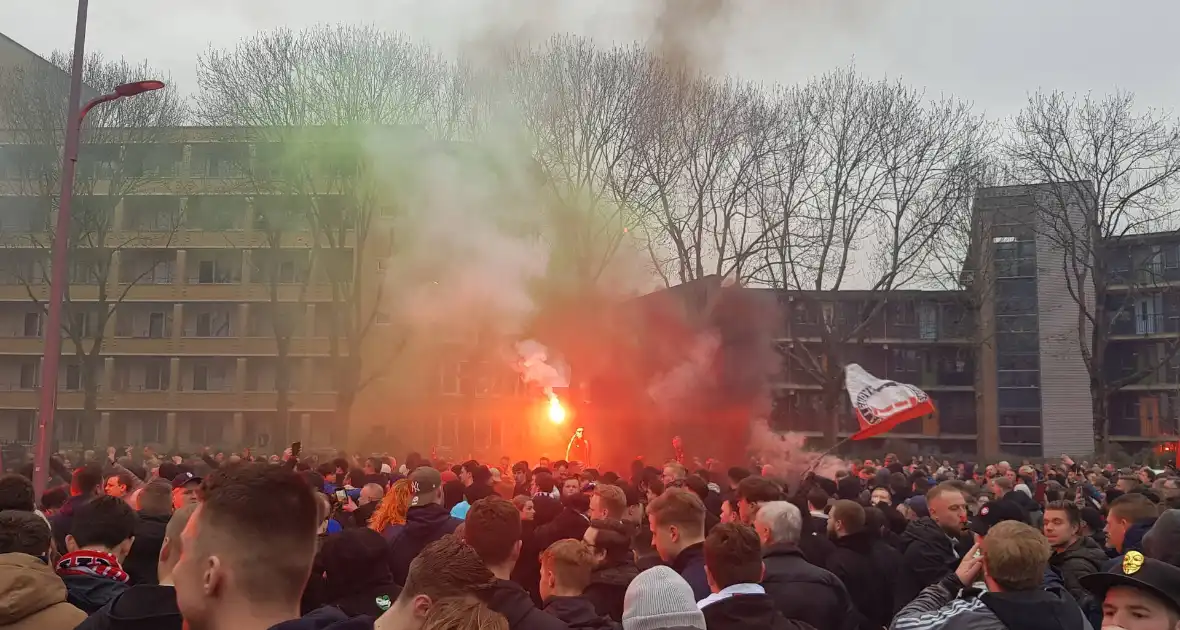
(92, 563)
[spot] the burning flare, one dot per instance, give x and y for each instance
(556, 411)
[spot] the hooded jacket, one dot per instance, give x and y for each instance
(936, 608)
(1081, 558)
(142, 560)
(864, 563)
(608, 587)
(34, 598)
(803, 591)
(141, 607)
(1132, 541)
(578, 613)
(424, 525)
(740, 612)
(326, 618)
(1163, 541)
(929, 556)
(690, 564)
(509, 599)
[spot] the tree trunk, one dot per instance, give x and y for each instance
(1099, 404)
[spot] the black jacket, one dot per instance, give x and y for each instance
(578, 613)
(424, 525)
(547, 508)
(928, 556)
(90, 592)
(690, 564)
(804, 592)
(864, 564)
(1080, 559)
(141, 607)
(510, 600)
(608, 586)
(371, 600)
(568, 524)
(743, 612)
(145, 551)
(326, 618)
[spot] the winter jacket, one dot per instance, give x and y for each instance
(864, 563)
(803, 591)
(547, 508)
(742, 612)
(929, 555)
(608, 586)
(690, 564)
(372, 600)
(1079, 559)
(424, 525)
(510, 600)
(936, 608)
(144, 556)
(91, 592)
(141, 607)
(326, 618)
(34, 598)
(568, 524)
(578, 613)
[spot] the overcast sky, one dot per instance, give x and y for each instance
(992, 53)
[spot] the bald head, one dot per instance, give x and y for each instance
(371, 493)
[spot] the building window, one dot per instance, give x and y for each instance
(32, 326)
(29, 375)
(73, 378)
(905, 314)
(152, 430)
(26, 423)
(156, 376)
(156, 328)
(449, 379)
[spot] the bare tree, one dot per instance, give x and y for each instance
(577, 103)
(888, 170)
(119, 157)
(1111, 173)
(321, 101)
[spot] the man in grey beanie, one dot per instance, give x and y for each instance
(659, 599)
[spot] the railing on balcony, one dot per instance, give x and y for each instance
(1145, 324)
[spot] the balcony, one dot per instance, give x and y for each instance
(142, 292)
(1131, 326)
(174, 401)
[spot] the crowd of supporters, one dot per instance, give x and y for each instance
(294, 543)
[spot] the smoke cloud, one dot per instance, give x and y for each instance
(536, 367)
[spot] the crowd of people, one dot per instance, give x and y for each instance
(294, 543)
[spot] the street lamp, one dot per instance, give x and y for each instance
(61, 245)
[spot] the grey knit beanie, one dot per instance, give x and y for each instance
(658, 599)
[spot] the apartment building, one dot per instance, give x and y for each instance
(1144, 306)
(183, 263)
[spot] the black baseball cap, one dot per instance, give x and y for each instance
(996, 512)
(183, 479)
(1159, 578)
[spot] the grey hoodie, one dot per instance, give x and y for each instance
(1163, 541)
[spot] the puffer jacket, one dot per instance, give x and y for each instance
(34, 597)
(929, 555)
(608, 586)
(1079, 559)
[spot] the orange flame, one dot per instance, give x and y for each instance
(556, 411)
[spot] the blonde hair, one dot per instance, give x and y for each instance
(393, 507)
(1016, 555)
(463, 613)
(571, 561)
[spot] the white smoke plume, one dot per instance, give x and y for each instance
(536, 367)
(788, 458)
